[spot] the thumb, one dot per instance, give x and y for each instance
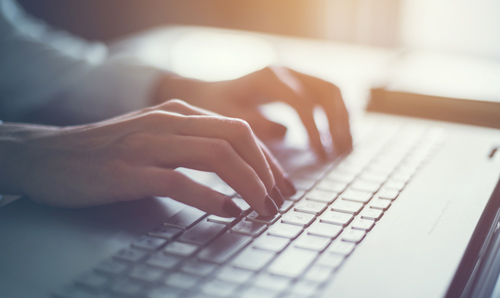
(265, 128)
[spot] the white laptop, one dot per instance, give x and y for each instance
(411, 212)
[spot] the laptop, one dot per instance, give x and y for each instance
(412, 212)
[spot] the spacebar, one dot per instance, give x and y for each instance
(224, 247)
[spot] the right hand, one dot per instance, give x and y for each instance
(134, 156)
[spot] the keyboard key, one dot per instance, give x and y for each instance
(287, 205)
(285, 230)
(297, 196)
(298, 218)
(352, 235)
(356, 196)
(380, 204)
(164, 261)
(182, 280)
(402, 176)
(330, 260)
(130, 254)
(242, 204)
(352, 168)
(321, 195)
(236, 275)
(312, 207)
(92, 280)
(341, 176)
(303, 183)
(337, 218)
(253, 259)
(225, 247)
(202, 232)
(146, 273)
(341, 247)
(312, 242)
(305, 287)
(365, 186)
(126, 287)
(394, 185)
(181, 249)
(333, 186)
(112, 267)
(272, 282)
(185, 218)
(347, 206)
(149, 243)
(362, 224)
(292, 262)
(271, 243)
(325, 230)
(255, 292)
(198, 267)
(249, 228)
(166, 232)
(372, 214)
(388, 194)
(318, 273)
(268, 220)
(218, 288)
(221, 220)
(371, 176)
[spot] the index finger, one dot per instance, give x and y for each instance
(281, 85)
(330, 99)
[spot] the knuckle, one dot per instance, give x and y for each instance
(175, 104)
(335, 91)
(219, 149)
(240, 127)
(158, 118)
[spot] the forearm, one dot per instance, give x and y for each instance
(15, 154)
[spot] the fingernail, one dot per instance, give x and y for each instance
(271, 206)
(277, 196)
(231, 209)
(289, 187)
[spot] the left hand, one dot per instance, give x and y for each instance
(241, 97)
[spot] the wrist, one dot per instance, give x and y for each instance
(173, 86)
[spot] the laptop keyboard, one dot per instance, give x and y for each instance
(293, 254)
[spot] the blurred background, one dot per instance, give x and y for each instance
(463, 26)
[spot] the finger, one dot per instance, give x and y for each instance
(168, 183)
(330, 99)
(235, 131)
(282, 180)
(279, 84)
(214, 155)
(265, 128)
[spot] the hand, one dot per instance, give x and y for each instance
(134, 156)
(241, 97)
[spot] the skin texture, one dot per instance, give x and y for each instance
(134, 156)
